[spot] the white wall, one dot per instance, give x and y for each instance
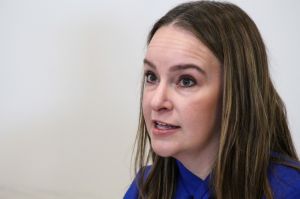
(69, 89)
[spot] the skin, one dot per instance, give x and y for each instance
(183, 86)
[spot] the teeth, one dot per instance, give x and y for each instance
(160, 125)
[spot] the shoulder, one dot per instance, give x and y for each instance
(284, 180)
(133, 190)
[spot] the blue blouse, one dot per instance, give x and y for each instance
(284, 181)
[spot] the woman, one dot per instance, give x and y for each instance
(215, 124)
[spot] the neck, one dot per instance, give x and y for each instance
(201, 163)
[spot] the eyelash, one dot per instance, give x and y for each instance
(190, 79)
(149, 74)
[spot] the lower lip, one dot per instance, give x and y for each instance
(164, 132)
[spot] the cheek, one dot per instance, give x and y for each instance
(146, 106)
(201, 115)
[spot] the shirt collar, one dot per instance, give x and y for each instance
(194, 185)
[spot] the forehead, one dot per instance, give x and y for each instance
(174, 44)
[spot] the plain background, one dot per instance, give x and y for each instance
(69, 89)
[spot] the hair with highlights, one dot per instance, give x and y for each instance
(253, 123)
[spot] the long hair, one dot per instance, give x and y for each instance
(253, 122)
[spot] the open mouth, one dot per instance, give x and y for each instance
(164, 126)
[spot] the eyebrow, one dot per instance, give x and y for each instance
(178, 67)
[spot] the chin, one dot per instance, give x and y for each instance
(163, 150)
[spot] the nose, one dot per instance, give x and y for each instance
(161, 98)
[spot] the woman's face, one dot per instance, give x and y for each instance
(182, 94)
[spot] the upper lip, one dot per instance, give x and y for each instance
(167, 123)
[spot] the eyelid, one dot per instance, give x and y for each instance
(149, 72)
(146, 74)
(189, 77)
(178, 82)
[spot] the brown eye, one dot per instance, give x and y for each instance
(150, 77)
(187, 81)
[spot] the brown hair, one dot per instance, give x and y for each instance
(253, 122)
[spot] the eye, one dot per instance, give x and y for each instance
(186, 81)
(150, 77)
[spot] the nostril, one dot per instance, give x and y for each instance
(165, 106)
